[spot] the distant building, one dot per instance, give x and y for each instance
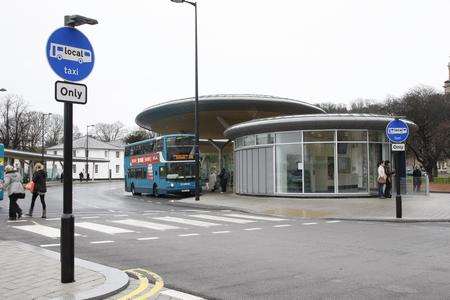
(113, 151)
(447, 82)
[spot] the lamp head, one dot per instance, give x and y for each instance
(177, 1)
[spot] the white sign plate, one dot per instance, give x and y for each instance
(70, 92)
(398, 147)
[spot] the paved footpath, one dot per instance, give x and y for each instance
(28, 272)
(433, 207)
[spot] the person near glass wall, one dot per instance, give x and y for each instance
(417, 179)
(381, 179)
(389, 172)
(223, 177)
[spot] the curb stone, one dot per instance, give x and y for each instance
(115, 280)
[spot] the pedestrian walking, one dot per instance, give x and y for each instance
(81, 176)
(39, 189)
(212, 180)
(381, 179)
(14, 188)
(62, 177)
(88, 177)
(417, 179)
(389, 172)
(223, 177)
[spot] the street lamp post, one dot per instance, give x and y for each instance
(196, 118)
(43, 134)
(87, 149)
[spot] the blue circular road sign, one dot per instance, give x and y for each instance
(70, 54)
(397, 131)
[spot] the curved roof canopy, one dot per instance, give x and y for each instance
(218, 112)
(315, 121)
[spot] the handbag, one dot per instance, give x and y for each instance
(381, 180)
(30, 186)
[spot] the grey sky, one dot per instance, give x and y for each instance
(313, 51)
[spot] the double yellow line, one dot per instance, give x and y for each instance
(142, 276)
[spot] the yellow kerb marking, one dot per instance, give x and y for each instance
(143, 284)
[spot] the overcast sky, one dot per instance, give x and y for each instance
(315, 51)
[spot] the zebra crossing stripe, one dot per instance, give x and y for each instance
(255, 217)
(224, 219)
(187, 221)
(330, 222)
(102, 228)
(42, 230)
(145, 224)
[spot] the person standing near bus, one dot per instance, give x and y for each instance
(417, 179)
(223, 177)
(389, 172)
(212, 180)
(40, 188)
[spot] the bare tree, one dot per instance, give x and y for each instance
(109, 132)
(55, 130)
(13, 121)
(138, 135)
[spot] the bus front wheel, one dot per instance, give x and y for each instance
(133, 192)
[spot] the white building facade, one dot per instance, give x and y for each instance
(114, 152)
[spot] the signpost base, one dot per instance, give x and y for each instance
(67, 248)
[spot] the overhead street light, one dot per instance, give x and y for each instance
(77, 20)
(43, 134)
(2, 90)
(196, 118)
(87, 148)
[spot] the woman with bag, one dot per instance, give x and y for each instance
(381, 179)
(38, 187)
(14, 189)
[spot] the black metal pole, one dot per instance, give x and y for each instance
(196, 118)
(67, 219)
(398, 196)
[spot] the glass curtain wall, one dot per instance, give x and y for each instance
(312, 161)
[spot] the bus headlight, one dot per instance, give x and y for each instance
(172, 185)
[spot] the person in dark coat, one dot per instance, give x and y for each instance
(389, 172)
(223, 177)
(40, 188)
(13, 187)
(62, 177)
(81, 176)
(417, 179)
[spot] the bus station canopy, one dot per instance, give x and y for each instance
(218, 112)
(25, 155)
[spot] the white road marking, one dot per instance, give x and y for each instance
(187, 221)
(224, 219)
(218, 232)
(42, 230)
(255, 217)
(180, 295)
(189, 234)
(255, 228)
(102, 242)
(312, 223)
(53, 219)
(110, 210)
(329, 222)
(152, 211)
(102, 228)
(282, 225)
(91, 217)
(16, 221)
(193, 210)
(148, 238)
(145, 224)
(49, 245)
(117, 216)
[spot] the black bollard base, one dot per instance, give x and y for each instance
(67, 248)
(398, 206)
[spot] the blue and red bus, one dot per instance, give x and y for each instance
(160, 166)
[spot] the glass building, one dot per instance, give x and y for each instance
(333, 154)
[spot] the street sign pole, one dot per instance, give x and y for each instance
(67, 218)
(397, 132)
(71, 56)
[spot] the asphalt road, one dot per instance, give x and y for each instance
(213, 257)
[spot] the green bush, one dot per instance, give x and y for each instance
(441, 180)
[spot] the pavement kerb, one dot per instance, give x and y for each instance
(115, 280)
(368, 219)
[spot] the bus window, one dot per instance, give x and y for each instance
(162, 172)
(159, 145)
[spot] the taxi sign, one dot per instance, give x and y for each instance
(397, 131)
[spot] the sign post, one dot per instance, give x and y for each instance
(397, 132)
(71, 57)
